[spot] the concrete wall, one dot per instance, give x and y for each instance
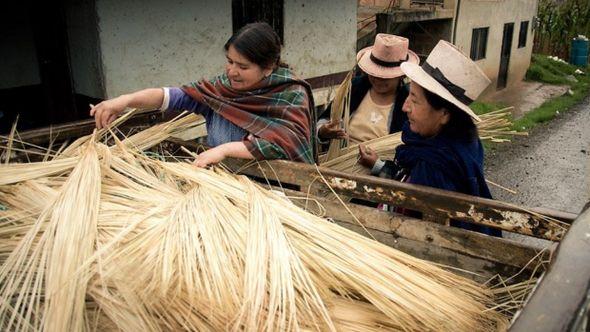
(19, 65)
(84, 48)
(146, 43)
(494, 14)
(320, 36)
(151, 43)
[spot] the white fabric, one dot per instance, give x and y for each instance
(166, 100)
(369, 121)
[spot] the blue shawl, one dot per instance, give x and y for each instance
(446, 163)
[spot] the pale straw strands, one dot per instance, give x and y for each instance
(115, 240)
(494, 127)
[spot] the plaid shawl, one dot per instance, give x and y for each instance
(278, 113)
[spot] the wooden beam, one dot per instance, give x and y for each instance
(504, 254)
(81, 128)
(432, 201)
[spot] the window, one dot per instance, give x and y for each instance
(479, 42)
(250, 11)
(524, 28)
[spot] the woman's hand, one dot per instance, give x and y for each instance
(368, 156)
(220, 152)
(210, 157)
(332, 130)
(108, 110)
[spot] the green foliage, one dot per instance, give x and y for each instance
(559, 22)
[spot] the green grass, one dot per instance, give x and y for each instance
(480, 108)
(545, 70)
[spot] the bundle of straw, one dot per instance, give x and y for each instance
(494, 126)
(106, 238)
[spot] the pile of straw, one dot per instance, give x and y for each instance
(105, 238)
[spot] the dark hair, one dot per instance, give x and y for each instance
(460, 124)
(259, 43)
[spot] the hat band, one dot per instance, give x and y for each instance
(387, 63)
(457, 91)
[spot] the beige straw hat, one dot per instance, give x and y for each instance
(384, 58)
(451, 75)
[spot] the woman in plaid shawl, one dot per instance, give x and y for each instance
(257, 109)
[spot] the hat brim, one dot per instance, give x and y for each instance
(363, 58)
(418, 75)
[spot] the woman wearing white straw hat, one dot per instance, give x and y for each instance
(441, 146)
(377, 96)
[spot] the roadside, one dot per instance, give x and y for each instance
(525, 96)
(550, 167)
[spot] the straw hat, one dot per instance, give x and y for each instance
(451, 75)
(384, 58)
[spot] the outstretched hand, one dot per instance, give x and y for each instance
(332, 130)
(107, 111)
(368, 156)
(210, 157)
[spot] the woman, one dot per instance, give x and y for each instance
(257, 109)
(441, 146)
(377, 95)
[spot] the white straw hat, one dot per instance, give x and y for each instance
(384, 58)
(451, 75)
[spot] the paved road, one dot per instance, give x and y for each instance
(550, 167)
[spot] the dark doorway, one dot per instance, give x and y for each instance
(37, 44)
(51, 40)
(505, 55)
(250, 11)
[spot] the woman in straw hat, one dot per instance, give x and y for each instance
(377, 96)
(441, 146)
(257, 109)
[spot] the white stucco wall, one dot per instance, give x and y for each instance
(166, 43)
(151, 43)
(494, 14)
(84, 48)
(19, 65)
(320, 36)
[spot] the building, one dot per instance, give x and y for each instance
(496, 34)
(59, 56)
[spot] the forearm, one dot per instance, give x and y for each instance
(236, 150)
(147, 99)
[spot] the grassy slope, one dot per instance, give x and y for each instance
(545, 70)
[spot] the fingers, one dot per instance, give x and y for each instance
(334, 124)
(111, 118)
(97, 120)
(202, 160)
(366, 151)
(199, 163)
(102, 116)
(362, 150)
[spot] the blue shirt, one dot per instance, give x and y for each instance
(219, 129)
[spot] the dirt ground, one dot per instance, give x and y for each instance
(526, 96)
(549, 168)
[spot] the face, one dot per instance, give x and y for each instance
(424, 119)
(242, 73)
(384, 85)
